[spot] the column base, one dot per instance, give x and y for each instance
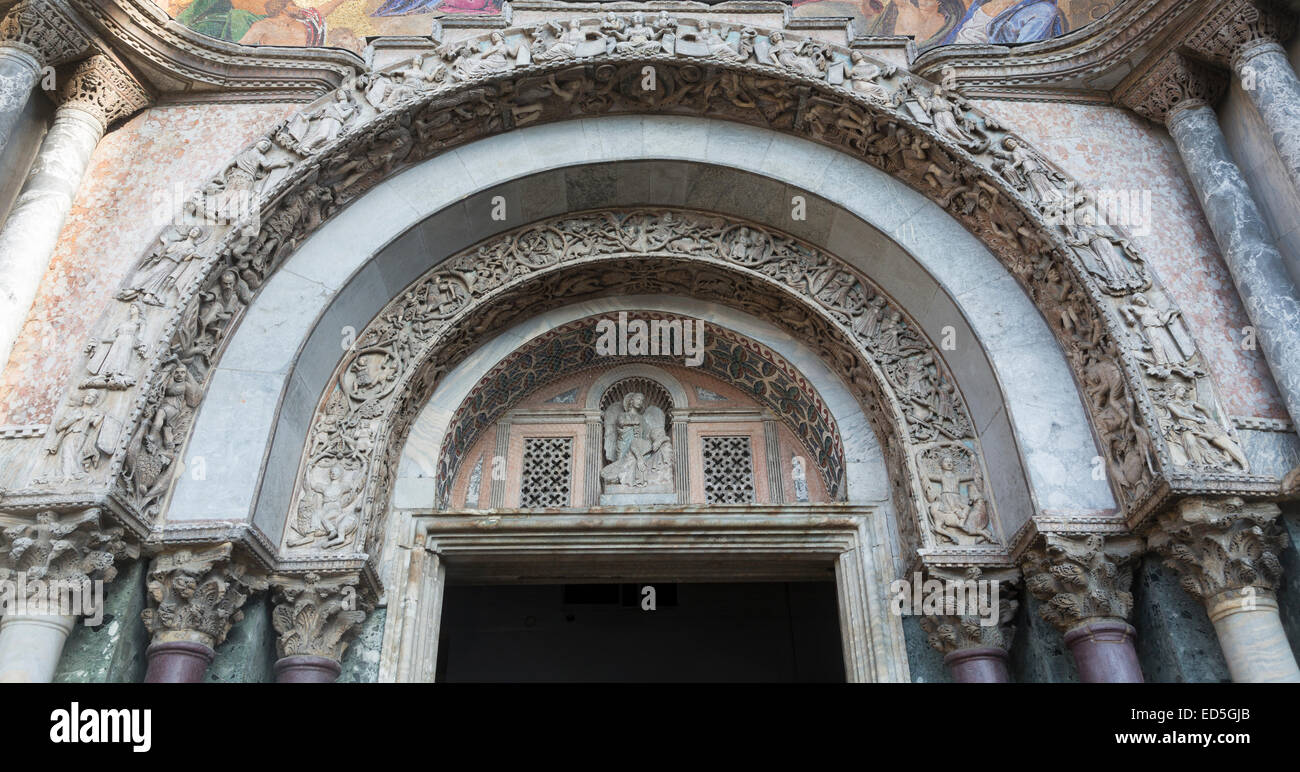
(984, 665)
(177, 662)
(306, 669)
(1104, 653)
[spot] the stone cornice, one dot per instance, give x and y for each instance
(1081, 66)
(185, 66)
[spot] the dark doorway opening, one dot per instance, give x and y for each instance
(701, 632)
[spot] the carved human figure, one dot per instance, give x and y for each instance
(327, 123)
(219, 305)
(1161, 332)
(169, 261)
(637, 447)
(112, 359)
(802, 57)
(73, 439)
(639, 37)
(251, 167)
(333, 514)
(1115, 265)
(718, 46)
(1024, 170)
(497, 57)
(959, 515)
(865, 77)
(1196, 430)
(566, 44)
(947, 110)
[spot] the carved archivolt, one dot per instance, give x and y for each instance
(203, 271)
(899, 376)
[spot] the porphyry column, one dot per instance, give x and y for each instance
(34, 35)
(974, 640)
(97, 93)
(1083, 581)
(1226, 554)
(1179, 93)
(316, 617)
(194, 598)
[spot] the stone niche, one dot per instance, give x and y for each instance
(636, 436)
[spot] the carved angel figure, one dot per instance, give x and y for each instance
(331, 510)
(637, 445)
(111, 358)
(1164, 338)
(1198, 434)
(640, 38)
(167, 266)
(565, 45)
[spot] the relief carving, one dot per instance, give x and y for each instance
(637, 447)
(1080, 578)
(1221, 545)
(927, 135)
(196, 594)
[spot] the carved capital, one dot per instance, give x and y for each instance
(62, 553)
(43, 29)
(100, 86)
(196, 595)
(1221, 545)
(1175, 83)
(1081, 578)
(1238, 28)
(985, 626)
(317, 616)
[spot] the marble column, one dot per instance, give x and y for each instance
(1083, 582)
(975, 640)
(30, 646)
(195, 595)
(97, 93)
(1248, 37)
(1180, 94)
(20, 70)
(73, 554)
(1226, 553)
(34, 35)
(315, 618)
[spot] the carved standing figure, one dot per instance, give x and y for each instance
(73, 438)
(113, 358)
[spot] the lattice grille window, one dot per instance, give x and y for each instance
(728, 470)
(547, 473)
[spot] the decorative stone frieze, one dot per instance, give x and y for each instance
(316, 616)
(101, 87)
(1080, 578)
(195, 594)
(45, 30)
(1221, 545)
(71, 549)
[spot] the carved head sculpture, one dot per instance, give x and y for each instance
(634, 401)
(1010, 143)
(264, 145)
(92, 396)
(1140, 299)
(776, 37)
(638, 19)
(946, 464)
(497, 38)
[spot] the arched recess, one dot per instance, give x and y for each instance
(1082, 276)
(898, 376)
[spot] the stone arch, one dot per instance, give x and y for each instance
(396, 361)
(613, 376)
(1082, 275)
